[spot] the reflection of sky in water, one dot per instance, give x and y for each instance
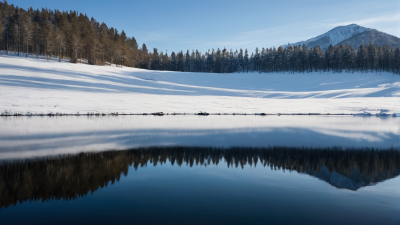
(39, 136)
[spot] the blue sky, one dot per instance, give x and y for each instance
(180, 25)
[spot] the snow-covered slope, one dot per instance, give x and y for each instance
(374, 36)
(40, 86)
(334, 36)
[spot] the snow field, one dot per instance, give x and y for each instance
(41, 86)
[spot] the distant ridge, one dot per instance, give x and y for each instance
(354, 34)
(374, 36)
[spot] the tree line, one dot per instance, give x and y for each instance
(73, 36)
(289, 59)
(73, 176)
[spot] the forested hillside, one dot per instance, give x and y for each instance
(72, 35)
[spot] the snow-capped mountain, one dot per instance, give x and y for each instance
(354, 34)
(374, 36)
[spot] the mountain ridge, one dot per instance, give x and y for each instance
(354, 34)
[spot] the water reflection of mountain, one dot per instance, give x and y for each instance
(73, 176)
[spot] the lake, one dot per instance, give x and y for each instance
(200, 170)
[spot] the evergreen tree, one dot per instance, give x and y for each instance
(246, 61)
(173, 62)
(372, 56)
(397, 60)
(241, 60)
(187, 62)
(361, 58)
(329, 57)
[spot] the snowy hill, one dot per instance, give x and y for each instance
(350, 33)
(41, 86)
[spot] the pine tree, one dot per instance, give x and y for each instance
(241, 60)
(372, 56)
(361, 58)
(336, 59)
(187, 62)
(2, 27)
(329, 57)
(173, 62)
(246, 61)
(210, 62)
(397, 60)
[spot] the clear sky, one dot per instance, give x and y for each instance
(205, 24)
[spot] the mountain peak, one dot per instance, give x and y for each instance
(334, 36)
(352, 25)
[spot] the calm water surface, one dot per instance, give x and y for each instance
(200, 170)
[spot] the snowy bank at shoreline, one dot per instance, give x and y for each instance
(30, 85)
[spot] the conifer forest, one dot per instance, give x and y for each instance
(73, 36)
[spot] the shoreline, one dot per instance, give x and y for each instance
(199, 114)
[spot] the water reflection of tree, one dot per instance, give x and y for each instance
(74, 176)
